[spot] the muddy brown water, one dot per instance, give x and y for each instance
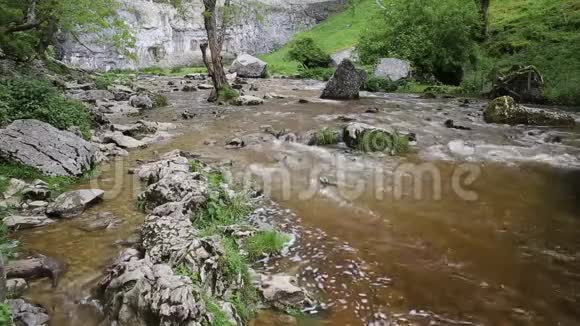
(500, 249)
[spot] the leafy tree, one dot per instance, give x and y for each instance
(439, 37)
(216, 20)
(29, 27)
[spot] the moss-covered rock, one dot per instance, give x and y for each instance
(505, 110)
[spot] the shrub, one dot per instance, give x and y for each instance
(5, 314)
(29, 98)
(305, 51)
(160, 101)
(377, 84)
(427, 33)
(316, 73)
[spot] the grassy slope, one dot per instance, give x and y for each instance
(545, 33)
(336, 33)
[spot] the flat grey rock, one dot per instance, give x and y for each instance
(42, 146)
(73, 203)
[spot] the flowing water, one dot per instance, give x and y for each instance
(487, 232)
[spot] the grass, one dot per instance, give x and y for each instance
(183, 270)
(265, 243)
(10, 170)
(8, 246)
(327, 136)
(543, 33)
(5, 314)
(219, 316)
(339, 32)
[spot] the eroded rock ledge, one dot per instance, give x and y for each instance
(147, 286)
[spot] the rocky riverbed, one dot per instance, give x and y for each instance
(490, 237)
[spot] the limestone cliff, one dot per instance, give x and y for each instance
(167, 37)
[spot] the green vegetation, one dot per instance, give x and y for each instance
(543, 33)
(160, 101)
(56, 184)
(265, 243)
(316, 73)
(227, 94)
(377, 84)
(219, 316)
(5, 314)
(32, 98)
(308, 54)
(338, 32)
(425, 33)
(226, 208)
(327, 136)
(8, 246)
(28, 28)
(183, 270)
(380, 141)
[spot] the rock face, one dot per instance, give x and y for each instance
(247, 66)
(505, 110)
(40, 145)
(393, 69)
(73, 203)
(522, 83)
(166, 37)
(345, 83)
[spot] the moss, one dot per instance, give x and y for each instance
(265, 243)
(226, 94)
(8, 246)
(5, 314)
(505, 110)
(327, 136)
(375, 140)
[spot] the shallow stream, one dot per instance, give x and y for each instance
(486, 231)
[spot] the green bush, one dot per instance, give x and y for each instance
(30, 98)
(439, 37)
(377, 84)
(327, 136)
(310, 55)
(316, 73)
(5, 314)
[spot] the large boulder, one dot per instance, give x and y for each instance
(505, 110)
(522, 83)
(35, 267)
(141, 102)
(122, 141)
(282, 292)
(73, 203)
(137, 292)
(345, 83)
(393, 69)
(247, 66)
(42, 146)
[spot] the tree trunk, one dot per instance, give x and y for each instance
(214, 64)
(2, 279)
(483, 6)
